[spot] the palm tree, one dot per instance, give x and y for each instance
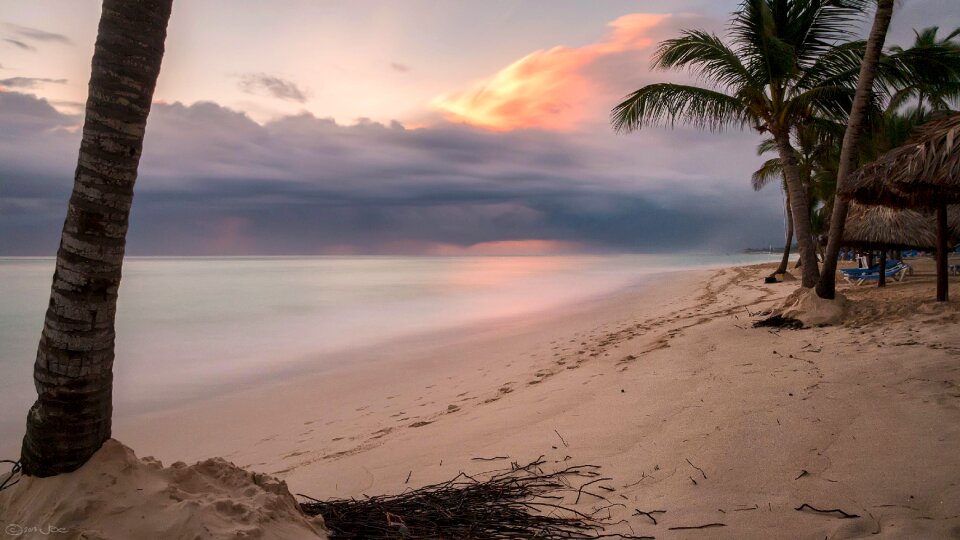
(787, 61)
(849, 151)
(813, 142)
(74, 367)
(930, 72)
(761, 178)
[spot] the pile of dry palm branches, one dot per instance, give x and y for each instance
(519, 502)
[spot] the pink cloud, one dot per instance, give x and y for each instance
(546, 89)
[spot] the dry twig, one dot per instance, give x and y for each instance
(520, 502)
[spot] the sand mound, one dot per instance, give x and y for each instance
(116, 495)
(805, 306)
(787, 276)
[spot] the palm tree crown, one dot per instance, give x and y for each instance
(927, 73)
(787, 62)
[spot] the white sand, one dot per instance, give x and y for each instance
(117, 496)
(684, 405)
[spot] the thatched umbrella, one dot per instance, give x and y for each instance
(881, 227)
(923, 173)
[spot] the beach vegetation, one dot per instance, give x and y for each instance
(783, 63)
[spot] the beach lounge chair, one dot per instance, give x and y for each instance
(851, 272)
(896, 273)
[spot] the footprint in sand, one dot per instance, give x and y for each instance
(381, 432)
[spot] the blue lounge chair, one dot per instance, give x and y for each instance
(896, 273)
(850, 272)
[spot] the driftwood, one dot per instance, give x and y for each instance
(520, 502)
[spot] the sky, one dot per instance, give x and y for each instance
(432, 127)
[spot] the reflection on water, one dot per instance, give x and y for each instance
(189, 327)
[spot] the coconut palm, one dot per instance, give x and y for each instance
(813, 142)
(73, 373)
(786, 61)
(826, 288)
(930, 72)
(762, 177)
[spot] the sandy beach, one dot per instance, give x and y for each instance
(665, 385)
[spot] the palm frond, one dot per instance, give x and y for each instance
(766, 146)
(816, 26)
(664, 104)
(757, 39)
(707, 56)
(772, 169)
(840, 65)
(831, 102)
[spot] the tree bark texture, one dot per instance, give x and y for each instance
(942, 237)
(782, 269)
(73, 372)
(882, 281)
(800, 207)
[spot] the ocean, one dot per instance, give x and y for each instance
(194, 327)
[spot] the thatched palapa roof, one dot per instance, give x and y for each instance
(923, 172)
(881, 227)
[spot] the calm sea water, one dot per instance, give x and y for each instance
(198, 326)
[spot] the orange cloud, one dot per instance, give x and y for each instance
(547, 88)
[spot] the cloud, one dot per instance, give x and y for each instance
(20, 44)
(507, 247)
(29, 82)
(547, 88)
(212, 181)
(36, 34)
(258, 83)
(402, 68)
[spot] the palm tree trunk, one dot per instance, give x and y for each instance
(782, 269)
(827, 286)
(801, 210)
(882, 281)
(942, 233)
(73, 372)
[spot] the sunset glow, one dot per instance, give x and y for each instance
(547, 88)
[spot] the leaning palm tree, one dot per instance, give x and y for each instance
(73, 373)
(849, 150)
(786, 61)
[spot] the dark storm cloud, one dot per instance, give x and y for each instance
(29, 82)
(258, 83)
(214, 182)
